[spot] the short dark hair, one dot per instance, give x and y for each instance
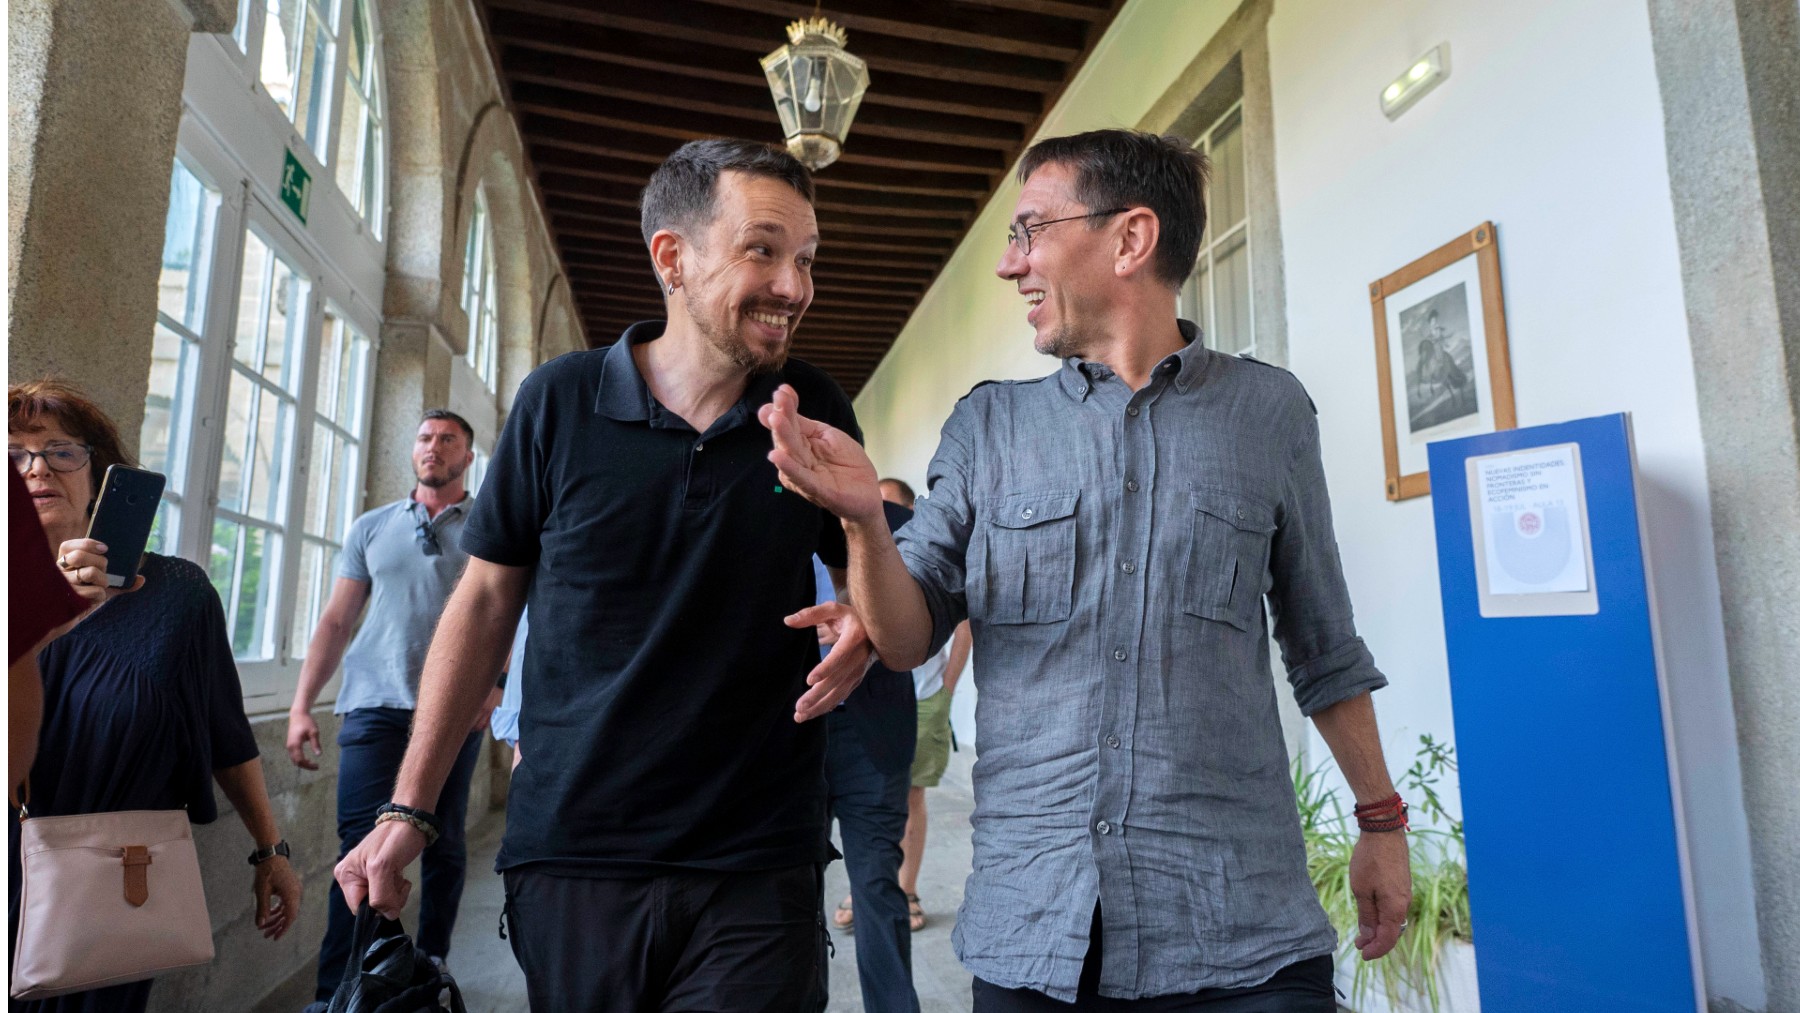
(1132, 168)
(685, 188)
(32, 406)
(445, 414)
(900, 486)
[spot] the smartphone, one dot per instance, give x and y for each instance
(123, 516)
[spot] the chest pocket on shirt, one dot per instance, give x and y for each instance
(1228, 557)
(1029, 565)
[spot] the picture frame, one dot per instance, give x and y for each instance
(1441, 354)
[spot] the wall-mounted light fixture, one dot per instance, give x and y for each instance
(1426, 73)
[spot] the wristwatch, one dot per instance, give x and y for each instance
(261, 855)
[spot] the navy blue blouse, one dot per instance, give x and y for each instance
(142, 702)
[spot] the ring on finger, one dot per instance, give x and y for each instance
(62, 563)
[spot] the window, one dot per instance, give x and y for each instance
(477, 470)
(188, 234)
(319, 62)
(257, 463)
(332, 491)
(360, 165)
(1217, 295)
(261, 375)
(297, 53)
(479, 294)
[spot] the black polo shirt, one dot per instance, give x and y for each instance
(658, 721)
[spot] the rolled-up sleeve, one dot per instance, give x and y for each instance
(1326, 661)
(935, 543)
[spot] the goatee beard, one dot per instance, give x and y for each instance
(735, 348)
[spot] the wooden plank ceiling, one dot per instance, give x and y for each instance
(604, 90)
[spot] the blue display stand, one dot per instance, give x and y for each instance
(1578, 882)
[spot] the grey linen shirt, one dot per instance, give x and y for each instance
(1113, 549)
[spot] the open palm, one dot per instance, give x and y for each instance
(819, 462)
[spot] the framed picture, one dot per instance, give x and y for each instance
(1440, 354)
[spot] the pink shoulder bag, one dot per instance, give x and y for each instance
(105, 899)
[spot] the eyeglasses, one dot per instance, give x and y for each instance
(427, 536)
(63, 457)
(1020, 234)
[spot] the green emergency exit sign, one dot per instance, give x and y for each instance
(296, 186)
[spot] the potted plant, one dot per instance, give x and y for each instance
(1412, 974)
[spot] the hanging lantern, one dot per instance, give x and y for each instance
(817, 87)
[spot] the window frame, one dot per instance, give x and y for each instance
(226, 139)
(1213, 241)
(480, 294)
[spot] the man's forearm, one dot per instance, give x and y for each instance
(961, 642)
(1349, 728)
(887, 598)
(461, 668)
(323, 654)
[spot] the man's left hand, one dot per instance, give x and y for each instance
(838, 675)
(487, 709)
(1381, 879)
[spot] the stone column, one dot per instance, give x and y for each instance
(93, 105)
(1730, 78)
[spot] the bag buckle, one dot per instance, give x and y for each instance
(137, 875)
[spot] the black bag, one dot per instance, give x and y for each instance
(386, 973)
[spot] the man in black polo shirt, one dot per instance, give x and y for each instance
(666, 828)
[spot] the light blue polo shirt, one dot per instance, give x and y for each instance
(407, 593)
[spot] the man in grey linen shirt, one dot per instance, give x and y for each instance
(402, 560)
(1111, 531)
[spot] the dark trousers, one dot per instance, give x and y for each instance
(725, 942)
(1302, 987)
(870, 805)
(371, 744)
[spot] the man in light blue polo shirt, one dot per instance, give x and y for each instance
(402, 560)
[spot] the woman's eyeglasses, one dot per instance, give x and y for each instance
(63, 457)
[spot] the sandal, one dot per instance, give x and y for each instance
(844, 918)
(915, 915)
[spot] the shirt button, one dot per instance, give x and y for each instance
(1128, 566)
(1081, 390)
(1025, 514)
(1132, 411)
(1131, 485)
(1119, 654)
(1104, 827)
(1113, 741)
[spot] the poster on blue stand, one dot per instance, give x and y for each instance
(1579, 888)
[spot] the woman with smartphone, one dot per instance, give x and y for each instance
(142, 707)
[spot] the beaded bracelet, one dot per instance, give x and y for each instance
(430, 832)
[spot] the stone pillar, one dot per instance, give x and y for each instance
(93, 105)
(1730, 79)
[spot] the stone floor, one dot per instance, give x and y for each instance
(483, 963)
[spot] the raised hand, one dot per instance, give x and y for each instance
(821, 463)
(841, 671)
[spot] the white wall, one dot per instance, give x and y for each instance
(1550, 125)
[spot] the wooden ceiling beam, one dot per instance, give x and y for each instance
(944, 212)
(842, 184)
(644, 152)
(656, 126)
(1019, 33)
(759, 34)
(660, 54)
(750, 102)
(1089, 12)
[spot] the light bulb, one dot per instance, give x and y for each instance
(812, 101)
(1418, 70)
(1392, 92)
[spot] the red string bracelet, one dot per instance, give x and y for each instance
(1385, 816)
